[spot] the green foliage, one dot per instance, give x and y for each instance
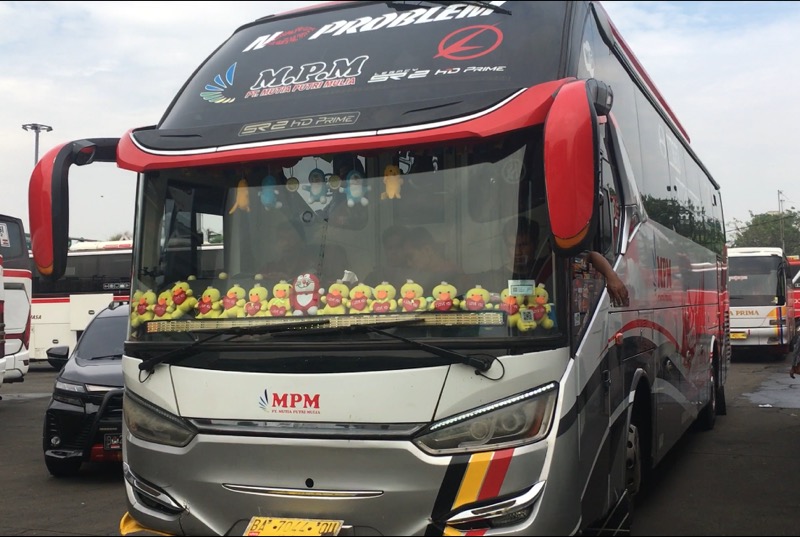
(766, 229)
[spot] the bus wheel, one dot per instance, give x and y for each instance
(708, 416)
(62, 467)
(633, 461)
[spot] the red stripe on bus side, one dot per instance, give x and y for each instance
(18, 273)
(64, 299)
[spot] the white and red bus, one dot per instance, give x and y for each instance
(97, 273)
(396, 388)
(762, 305)
(15, 300)
(794, 291)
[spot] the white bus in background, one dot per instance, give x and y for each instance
(15, 300)
(97, 274)
(762, 310)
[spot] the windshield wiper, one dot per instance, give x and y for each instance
(408, 6)
(481, 363)
(235, 331)
(106, 356)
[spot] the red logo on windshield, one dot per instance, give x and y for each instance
(469, 43)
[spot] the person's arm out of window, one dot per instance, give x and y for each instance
(616, 289)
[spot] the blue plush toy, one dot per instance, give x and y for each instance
(269, 193)
(355, 188)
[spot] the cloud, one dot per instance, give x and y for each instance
(98, 69)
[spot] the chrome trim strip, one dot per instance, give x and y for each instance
(306, 429)
(150, 491)
(289, 141)
(304, 493)
(498, 509)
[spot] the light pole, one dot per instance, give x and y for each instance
(780, 215)
(36, 128)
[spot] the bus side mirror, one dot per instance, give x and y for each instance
(571, 162)
(48, 200)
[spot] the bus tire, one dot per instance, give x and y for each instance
(722, 408)
(62, 467)
(707, 418)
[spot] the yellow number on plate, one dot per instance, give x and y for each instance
(292, 526)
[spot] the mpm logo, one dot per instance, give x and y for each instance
(289, 402)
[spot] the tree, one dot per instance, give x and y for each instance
(764, 230)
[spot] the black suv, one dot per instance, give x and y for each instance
(83, 421)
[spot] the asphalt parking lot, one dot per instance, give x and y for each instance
(741, 478)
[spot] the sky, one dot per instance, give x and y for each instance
(729, 70)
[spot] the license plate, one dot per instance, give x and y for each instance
(112, 442)
(738, 335)
(260, 525)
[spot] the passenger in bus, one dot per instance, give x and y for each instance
(427, 263)
(293, 255)
(394, 264)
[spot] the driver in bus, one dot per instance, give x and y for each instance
(525, 262)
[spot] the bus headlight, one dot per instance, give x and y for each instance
(148, 422)
(521, 419)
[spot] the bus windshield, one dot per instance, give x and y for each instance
(753, 281)
(270, 75)
(440, 230)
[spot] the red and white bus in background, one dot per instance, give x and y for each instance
(441, 391)
(96, 274)
(15, 300)
(794, 291)
(762, 307)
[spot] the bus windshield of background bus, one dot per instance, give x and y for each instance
(753, 281)
(400, 231)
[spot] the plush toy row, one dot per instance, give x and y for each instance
(304, 297)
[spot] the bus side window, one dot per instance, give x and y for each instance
(609, 205)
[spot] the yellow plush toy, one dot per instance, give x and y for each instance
(209, 305)
(392, 180)
(412, 297)
(183, 299)
(279, 305)
(444, 298)
(335, 299)
(135, 296)
(242, 197)
(517, 315)
(383, 298)
(360, 299)
(257, 305)
(541, 308)
(144, 308)
(163, 308)
(476, 299)
(233, 302)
